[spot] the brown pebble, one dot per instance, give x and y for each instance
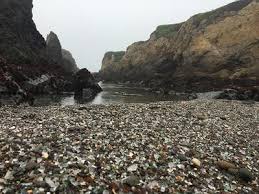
(224, 165)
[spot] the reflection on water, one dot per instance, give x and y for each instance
(112, 93)
(119, 93)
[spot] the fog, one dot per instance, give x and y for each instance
(90, 28)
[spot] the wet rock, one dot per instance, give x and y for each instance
(85, 86)
(245, 175)
(240, 93)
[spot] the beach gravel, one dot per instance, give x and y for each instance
(200, 146)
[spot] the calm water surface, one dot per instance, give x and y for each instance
(112, 94)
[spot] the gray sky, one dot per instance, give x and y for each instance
(89, 28)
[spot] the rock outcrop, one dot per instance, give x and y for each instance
(54, 48)
(23, 55)
(240, 94)
(85, 85)
(213, 50)
(69, 63)
(27, 62)
(20, 42)
(60, 56)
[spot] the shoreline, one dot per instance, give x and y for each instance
(157, 95)
(225, 91)
(130, 147)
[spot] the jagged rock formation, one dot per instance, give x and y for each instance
(58, 55)
(209, 51)
(54, 48)
(22, 48)
(26, 62)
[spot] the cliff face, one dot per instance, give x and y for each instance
(222, 44)
(111, 58)
(24, 62)
(20, 42)
(220, 47)
(111, 63)
(140, 58)
(27, 62)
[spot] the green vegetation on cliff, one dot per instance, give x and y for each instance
(167, 30)
(211, 16)
(117, 56)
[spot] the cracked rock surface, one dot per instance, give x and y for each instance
(168, 147)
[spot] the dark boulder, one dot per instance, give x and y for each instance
(249, 93)
(84, 84)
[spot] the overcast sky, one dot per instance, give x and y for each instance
(89, 28)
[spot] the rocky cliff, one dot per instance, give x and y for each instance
(20, 42)
(53, 48)
(27, 62)
(209, 51)
(60, 56)
(23, 56)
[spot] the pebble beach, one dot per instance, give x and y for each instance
(199, 146)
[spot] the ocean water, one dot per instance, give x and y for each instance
(112, 94)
